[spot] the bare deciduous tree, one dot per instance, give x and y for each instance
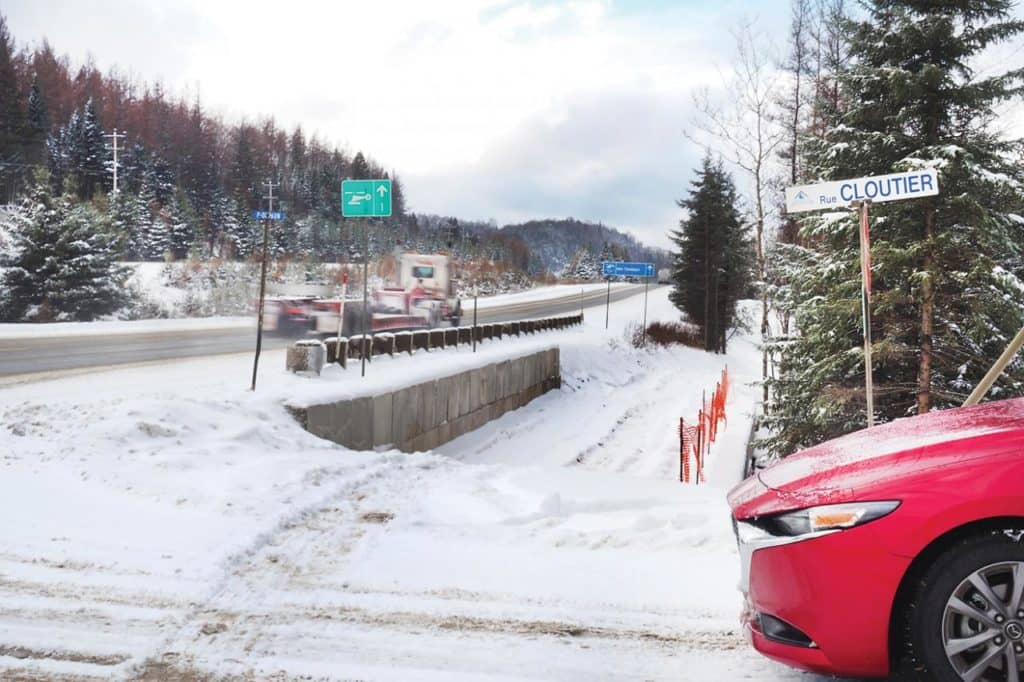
(743, 123)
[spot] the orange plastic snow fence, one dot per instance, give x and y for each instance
(695, 441)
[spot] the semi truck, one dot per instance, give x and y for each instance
(423, 297)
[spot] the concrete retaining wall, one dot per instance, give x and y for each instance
(427, 415)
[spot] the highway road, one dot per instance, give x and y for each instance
(24, 356)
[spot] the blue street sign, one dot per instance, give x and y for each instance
(616, 269)
(268, 215)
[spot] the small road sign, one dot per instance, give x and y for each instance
(268, 215)
(366, 198)
(841, 193)
(618, 269)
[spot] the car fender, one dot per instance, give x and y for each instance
(983, 489)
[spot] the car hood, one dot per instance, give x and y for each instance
(850, 466)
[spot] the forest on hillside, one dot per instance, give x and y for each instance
(189, 180)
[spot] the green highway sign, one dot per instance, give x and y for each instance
(366, 198)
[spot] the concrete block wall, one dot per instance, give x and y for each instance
(422, 417)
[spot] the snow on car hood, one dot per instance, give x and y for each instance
(940, 434)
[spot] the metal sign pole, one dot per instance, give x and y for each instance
(366, 297)
(647, 281)
(608, 303)
(476, 293)
(341, 303)
(865, 269)
(262, 280)
(259, 319)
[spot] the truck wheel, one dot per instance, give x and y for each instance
(967, 617)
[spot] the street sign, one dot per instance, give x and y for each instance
(366, 198)
(862, 192)
(268, 215)
(840, 193)
(617, 269)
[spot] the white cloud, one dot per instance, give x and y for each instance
(512, 109)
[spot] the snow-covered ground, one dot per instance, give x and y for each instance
(166, 523)
(542, 293)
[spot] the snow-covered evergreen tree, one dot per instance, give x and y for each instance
(582, 266)
(946, 269)
(152, 234)
(38, 125)
(182, 226)
(712, 266)
(86, 151)
(65, 267)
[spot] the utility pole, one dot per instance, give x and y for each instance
(270, 185)
(113, 136)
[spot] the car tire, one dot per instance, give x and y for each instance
(950, 588)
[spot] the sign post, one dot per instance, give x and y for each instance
(611, 269)
(860, 193)
(366, 199)
(266, 217)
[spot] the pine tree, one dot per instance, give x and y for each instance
(182, 226)
(359, 169)
(712, 267)
(12, 117)
(65, 267)
(38, 126)
(152, 232)
(946, 269)
(81, 152)
(126, 215)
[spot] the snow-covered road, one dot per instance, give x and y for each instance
(163, 523)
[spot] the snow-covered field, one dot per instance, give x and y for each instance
(164, 523)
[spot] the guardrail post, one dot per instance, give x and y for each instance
(421, 340)
(451, 337)
(403, 342)
(383, 343)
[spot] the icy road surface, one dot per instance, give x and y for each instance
(163, 523)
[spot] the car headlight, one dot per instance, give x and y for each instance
(826, 517)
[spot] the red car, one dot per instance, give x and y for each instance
(900, 543)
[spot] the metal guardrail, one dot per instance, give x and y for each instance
(342, 350)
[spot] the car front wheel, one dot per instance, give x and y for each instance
(967, 618)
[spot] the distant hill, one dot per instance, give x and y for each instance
(554, 244)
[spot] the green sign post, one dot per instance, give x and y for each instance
(366, 198)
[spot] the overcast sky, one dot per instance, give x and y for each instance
(503, 109)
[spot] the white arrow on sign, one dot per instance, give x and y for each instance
(382, 190)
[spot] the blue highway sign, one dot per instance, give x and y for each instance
(268, 215)
(617, 269)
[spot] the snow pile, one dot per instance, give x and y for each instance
(170, 521)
